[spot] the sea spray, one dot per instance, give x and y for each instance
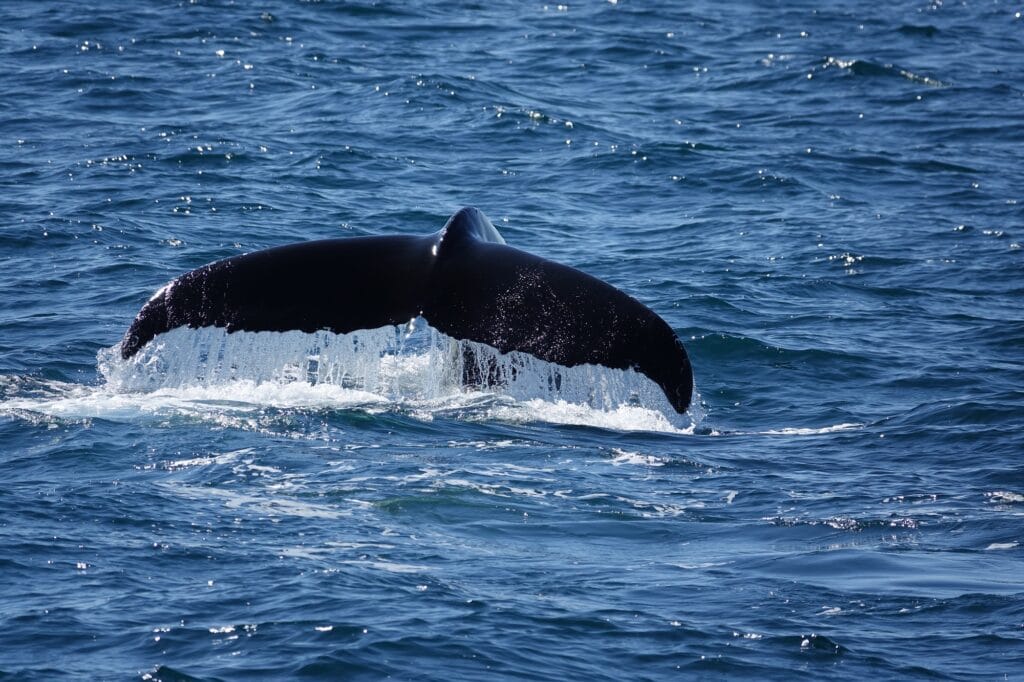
(404, 365)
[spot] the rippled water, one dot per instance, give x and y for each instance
(823, 200)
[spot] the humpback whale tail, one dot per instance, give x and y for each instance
(463, 280)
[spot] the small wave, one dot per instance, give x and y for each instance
(636, 458)
(846, 523)
(928, 31)
(266, 505)
(77, 402)
(803, 431)
(725, 348)
(793, 430)
(620, 418)
(863, 67)
(820, 643)
(1004, 497)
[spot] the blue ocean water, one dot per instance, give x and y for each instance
(824, 200)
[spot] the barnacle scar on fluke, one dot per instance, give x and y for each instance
(463, 280)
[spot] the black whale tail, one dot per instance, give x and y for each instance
(463, 280)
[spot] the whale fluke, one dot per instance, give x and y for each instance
(463, 280)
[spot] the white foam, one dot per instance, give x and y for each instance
(231, 378)
(796, 431)
(1004, 496)
(271, 506)
(637, 458)
(225, 403)
(622, 418)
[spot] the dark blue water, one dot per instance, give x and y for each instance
(824, 200)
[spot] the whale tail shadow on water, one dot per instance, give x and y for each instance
(463, 280)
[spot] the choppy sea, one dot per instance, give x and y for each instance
(825, 200)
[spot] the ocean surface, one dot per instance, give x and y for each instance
(824, 200)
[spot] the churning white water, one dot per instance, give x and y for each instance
(412, 367)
